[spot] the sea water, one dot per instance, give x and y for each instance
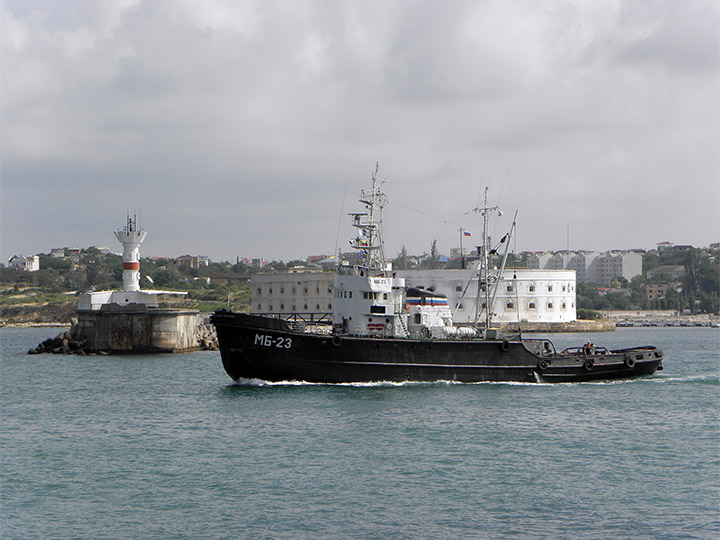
(168, 447)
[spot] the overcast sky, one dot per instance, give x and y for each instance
(240, 128)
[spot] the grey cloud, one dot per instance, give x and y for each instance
(251, 118)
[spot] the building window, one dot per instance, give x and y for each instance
(293, 290)
(550, 305)
(458, 288)
(259, 307)
(532, 288)
(564, 305)
(282, 307)
(305, 307)
(550, 288)
(282, 290)
(317, 307)
(259, 290)
(270, 290)
(510, 305)
(509, 288)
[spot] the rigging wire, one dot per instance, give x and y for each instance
(337, 236)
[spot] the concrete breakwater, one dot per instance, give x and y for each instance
(132, 329)
(662, 318)
(601, 325)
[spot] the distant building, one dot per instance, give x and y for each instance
(656, 291)
(309, 294)
(226, 278)
(614, 265)
(590, 267)
(671, 271)
(187, 261)
(57, 253)
(26, 264)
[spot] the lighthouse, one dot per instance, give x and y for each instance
(131, 238)
(132, 319)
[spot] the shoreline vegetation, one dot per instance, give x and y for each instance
(49, 296)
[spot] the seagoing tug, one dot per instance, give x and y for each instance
(383, 331)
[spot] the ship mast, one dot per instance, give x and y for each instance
(369, 225)
(484, 275)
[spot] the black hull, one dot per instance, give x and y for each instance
(262, 348)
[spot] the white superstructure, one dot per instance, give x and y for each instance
(369, 300)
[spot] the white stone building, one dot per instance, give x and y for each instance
(30, 263)
(524, 295)
(293, 293)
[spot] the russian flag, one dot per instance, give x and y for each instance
(465, 233)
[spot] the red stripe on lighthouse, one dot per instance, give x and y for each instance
(131, 266)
